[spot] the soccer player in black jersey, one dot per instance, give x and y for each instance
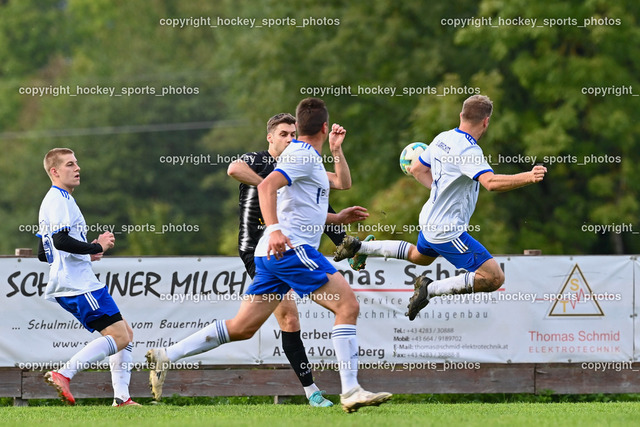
(250, 170)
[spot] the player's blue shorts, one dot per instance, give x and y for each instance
(90, 306)
(463, 252)
(302, 269)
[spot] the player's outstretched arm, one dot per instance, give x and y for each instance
(493, 182)
(341, 179)
(267, 194)
(348, 215)
(240, 171)
(421, 172)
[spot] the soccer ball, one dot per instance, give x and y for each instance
(411, 152)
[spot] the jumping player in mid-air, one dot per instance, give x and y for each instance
(250, 170)
(453, 167)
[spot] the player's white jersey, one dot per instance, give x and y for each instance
(456, 162)
(69, 274)
(302, 205)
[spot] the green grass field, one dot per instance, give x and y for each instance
(391, 414)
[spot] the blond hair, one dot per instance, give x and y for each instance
(53, 158)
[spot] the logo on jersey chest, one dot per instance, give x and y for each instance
(444, 147)
(322, 193)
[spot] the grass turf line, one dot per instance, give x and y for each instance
(466, 414)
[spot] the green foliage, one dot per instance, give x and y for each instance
(547, 70)
(535, 76)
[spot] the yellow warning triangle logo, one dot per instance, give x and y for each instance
(576, 297)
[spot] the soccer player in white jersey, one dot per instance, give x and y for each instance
(453, 167)
(293, 200)
(250, 169)
(72, 283)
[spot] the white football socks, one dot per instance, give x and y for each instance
(386, 248)
(461, 284)
(310, 389)
(345, 344)
(120, 364)
(205, 339)
(93, 352)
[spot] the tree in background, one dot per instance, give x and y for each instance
(535, 75)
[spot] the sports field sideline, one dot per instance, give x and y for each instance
(401, 414)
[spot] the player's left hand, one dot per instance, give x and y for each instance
(96, 257)
(336, 136)
(278, 243)
(352, 214)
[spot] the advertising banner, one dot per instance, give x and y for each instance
(550, 309)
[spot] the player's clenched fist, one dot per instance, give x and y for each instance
(107, 240)
(538, 173)
(336, 136)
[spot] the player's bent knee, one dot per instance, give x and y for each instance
(417, 258)
(501, 278)
(354, 307)
(129, 332)
(120, 332)
(287, 317)
(121, 341)
(496, 280)
(349, 310)
(290, 324)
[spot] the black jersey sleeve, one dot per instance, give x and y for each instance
(252, 160)
(63, 242)
(260, 162)
(42, 256)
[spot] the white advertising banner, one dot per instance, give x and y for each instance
(550, 309)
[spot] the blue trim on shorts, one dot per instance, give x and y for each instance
(302, 269)
(90, 306)
(463, 251)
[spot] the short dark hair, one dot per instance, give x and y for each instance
(278, 119)
(476, 108)
(311, 114)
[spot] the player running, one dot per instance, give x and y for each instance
(452, 166)
(72, 283)
(294, 202)
(250, 170)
